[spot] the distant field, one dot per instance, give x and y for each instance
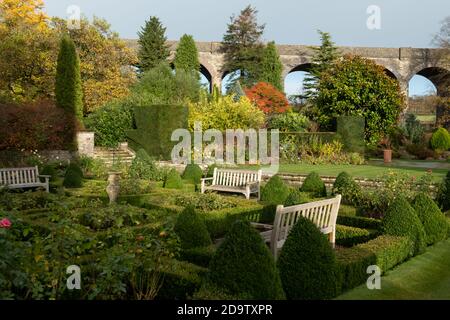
(426, 118)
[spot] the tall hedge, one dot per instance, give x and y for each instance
(307, 264)
(68, 88)
(433, 220)
(155, 125)
(243, 265)
(192, 230)
(402, 220)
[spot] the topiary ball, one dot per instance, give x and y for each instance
(173, 180)
(402, 220)
(275, 191)
(192, 230)
(307, 264)
(49, 170)
(314, 185)
(295, 198)
(440, 140)
(243, 265)
(73, 177)
(347, 188)
(443, 197)
(193, 173)
(432, 218)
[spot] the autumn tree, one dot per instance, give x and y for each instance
(186, 57)
(271, 67)
(242, 47)
(68, 88)
(269, 99)
(152, 41)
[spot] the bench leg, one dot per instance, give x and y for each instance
(247, 192)
(202, 189)
(47, 187)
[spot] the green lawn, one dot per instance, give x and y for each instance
(425, 277)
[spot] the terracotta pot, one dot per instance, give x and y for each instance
(387, 155)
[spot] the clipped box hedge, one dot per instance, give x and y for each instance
(359, 222)
(349, 236)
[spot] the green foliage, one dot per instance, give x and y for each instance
(143, 167)
(433, 220)
(173, 180)
(351, 131)
(186, 57)
(296, 197)
(210, 172)
(307, 264)
(110, 123)
(68, 88)
(192, 230)
(193, 173)
(271, 67)
(200, 256)
(359, 222)
(244, 265)
(242, 47)
(204, 202)
(413, 129)
(153, 49)
(49, 170)
(444, 193)
(289, 122)
(349, 236)
(357, 86)
(347, 188)
(275, 191)
(402, 220)
(440, 140)
(73, 177)
(155, 125)
(314, 185)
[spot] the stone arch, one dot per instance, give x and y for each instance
(204, 71)
(439, 76)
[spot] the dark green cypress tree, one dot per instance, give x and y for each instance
(186, 57)
(153, 48)
(68, 87)
(272, 67)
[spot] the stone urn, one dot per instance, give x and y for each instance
(113, 187)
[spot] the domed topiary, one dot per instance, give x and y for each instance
(433, 220)
(402, 220)
(440, 140)
(307, 264)
(295, 197)
(314, 185)
(444, 193)
(193, 173)
(243, 265)
(173, 180)
(192, 230)
(73, 177)
(275, 191)
(347, 188)
(49, 170)
(210, 171)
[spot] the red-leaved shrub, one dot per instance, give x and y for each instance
(268, 98)
(37, 126)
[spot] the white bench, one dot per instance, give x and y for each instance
(239, 181)
(18, 178)
(322, 213)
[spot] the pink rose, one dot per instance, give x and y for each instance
(5, 223)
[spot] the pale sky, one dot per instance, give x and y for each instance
(404, 23)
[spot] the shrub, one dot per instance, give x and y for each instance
(210, 172)
(50, 170)
(314, 185)
(192, 230)
(349, 236)
(275, 191)
(440, 140)
(413, 129)
(173, 180)
(307, 264)
(200, 256)
(351, 131)
(402, 220)
(193, 173)
(244, 265)
(211, 292)
(296, 197)
(348, 188)
(143, 167)
(289, 122)
(73, 177)
(444, 193)
(268, 98)
(359, 222)
(433, 220)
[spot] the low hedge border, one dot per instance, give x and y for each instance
(200, 256)
(349, 236)
(359, 222)
(385, 251)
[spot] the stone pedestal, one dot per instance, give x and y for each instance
(85, 142)
(113, 187)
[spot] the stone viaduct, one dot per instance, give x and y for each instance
(399, 63)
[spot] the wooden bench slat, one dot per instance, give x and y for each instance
(15, 178)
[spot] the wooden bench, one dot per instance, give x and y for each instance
(238, 181)
(18, 178)
(322, 213)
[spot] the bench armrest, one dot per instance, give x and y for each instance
(44, 176)
(207, 179)
(251, 183)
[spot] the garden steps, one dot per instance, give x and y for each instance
(111, 156)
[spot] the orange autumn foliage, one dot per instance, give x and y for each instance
(268, 98)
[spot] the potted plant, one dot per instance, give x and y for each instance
(387, 150)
